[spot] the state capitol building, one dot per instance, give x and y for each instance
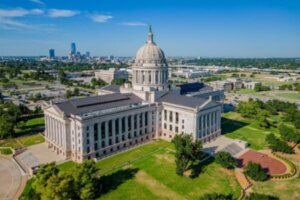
(121, 117)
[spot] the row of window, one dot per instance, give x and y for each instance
(171, 116)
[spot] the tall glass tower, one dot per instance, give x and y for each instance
(73, 48)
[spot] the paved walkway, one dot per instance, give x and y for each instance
(222, 143)
(38, 154)
(10, 179)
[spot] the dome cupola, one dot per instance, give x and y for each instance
(150, 70)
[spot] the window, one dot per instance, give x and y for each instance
(95, 132)
(87, 128)
(171, 128)
(176, 117)
(141, 120)
(87, 141)
(110, 128)
(117, 126)
(165, 115)
(110, 142)
(103, 130)
(88, 150)
(171, 116)
(135, 121)
(96, 146)
(129, 123)
(146, 118)
(103, 144)
(165, 126)
(176, 129)
(123, 124)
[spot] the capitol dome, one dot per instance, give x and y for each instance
(150, 54)
(150, 70)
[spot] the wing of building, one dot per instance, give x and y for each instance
(133, 114)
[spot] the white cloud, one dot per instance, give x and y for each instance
(37, 11)
(62, 13)
(19, 12)
(134, 24)
(101, 18)
(10, 23)
(38, 2)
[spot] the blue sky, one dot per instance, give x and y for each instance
(210, 28)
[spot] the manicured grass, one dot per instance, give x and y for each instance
(32, 125)
(6, 151)
(236, 127)
(32, 139)
(27, 189)
(149, 173)
(288, 189)
(294, 96)
(22, 141)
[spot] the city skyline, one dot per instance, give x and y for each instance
(188, 29)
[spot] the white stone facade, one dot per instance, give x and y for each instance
(94, 127)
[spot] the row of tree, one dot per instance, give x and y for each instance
(82, 182)
(262, 63)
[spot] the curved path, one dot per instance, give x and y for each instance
(10, 179)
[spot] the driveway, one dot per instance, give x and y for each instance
(10, 179)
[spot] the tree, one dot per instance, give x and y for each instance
(119, 81)
(215, 196)
(277, 145)
(6, 126)
(225, 160)
(256, 196)
(289, 133)
(187, 152)
(86, 180)
(43, 175)
(60, 186)
(262, 118)
(254, 171)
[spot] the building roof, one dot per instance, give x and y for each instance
(182, 100)
(194, 87)
(111, 88)
(97, 103)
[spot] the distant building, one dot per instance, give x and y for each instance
(111, 74)
(237, 83)
(221, 85)
(190, 73)
(250, 84)
(87, 54)
(51, 53)
(73, 48)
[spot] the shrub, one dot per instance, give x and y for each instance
(254, 171)
(225, 160)
(278, 145)
(256, 196)
(215, 196)
(6, 151)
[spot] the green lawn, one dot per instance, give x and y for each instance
(32, 125)
(6, 151)
(22, 141)
(148, 172)
(288, 189)
(293, 96)
(236, 127)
